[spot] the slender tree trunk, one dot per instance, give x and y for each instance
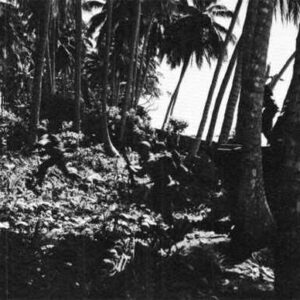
(78, 65)
(252, 215)
(114, 101)
(287, 248)
(53, 54)
(143, 55)
(129, 85)
(109, 147)
(145, 72)
(175, 94)
(118, 88)
(49, 68)
(38, 72)
(232, 102)
(221, 93)
(197, 142)
(135, 71)
(277, 77)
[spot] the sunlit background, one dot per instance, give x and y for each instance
(195, 85)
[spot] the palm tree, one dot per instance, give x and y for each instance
(142, 58)
(232, 102)
(286, 145)
(234, 95)
(78, 37)
(290, 11)
(38, 73)
(197, 33)
(122, 27)
(59, 20)
(128, 93)
(109, 147)
(287, 254)
(156, 15)
(252, 215)
(221, 92)
(197, 142)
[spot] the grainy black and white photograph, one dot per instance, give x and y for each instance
(150, 149)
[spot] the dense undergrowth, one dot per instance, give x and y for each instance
(98, 239)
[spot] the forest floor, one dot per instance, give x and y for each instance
(96, 239)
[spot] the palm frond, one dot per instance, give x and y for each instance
(223, 30)
(96, 22)
(93, 4)
(289, 10)
(222, 13)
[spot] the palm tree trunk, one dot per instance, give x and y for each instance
(49, 68)
(53, 54)
(145, 72)
(248, 33)
(143, 54)
(175, 94)
(135, 71)
(277, 77)
(78, 64)
(287, 254)
(221, 93)
(38, 72)
(197, 142)
(118, 90)
(108, 146)
(173, 104)
(114, 101)
(252, 215)
(232, 102)
(129, 85)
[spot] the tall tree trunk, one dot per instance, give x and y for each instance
(232, 102)
(78, 38)
(221, 93)
(118, 90)
(49, 68)
(248, 33)
(135, 71)
(114, 100)
(197, 142)
(252, 215)
(277, 77)
(287, 254)
(38, 72)
(143, 56)
(145, 72)
(175, 95)
(108, 146)
(53, 53)
(128, 92)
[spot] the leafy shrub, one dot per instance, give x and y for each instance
(69, 137)
(177, 126)
(13, 132)
(138, 127)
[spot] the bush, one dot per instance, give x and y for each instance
(13, 132)
(177, 126)
(70, 138)
(138, 126)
